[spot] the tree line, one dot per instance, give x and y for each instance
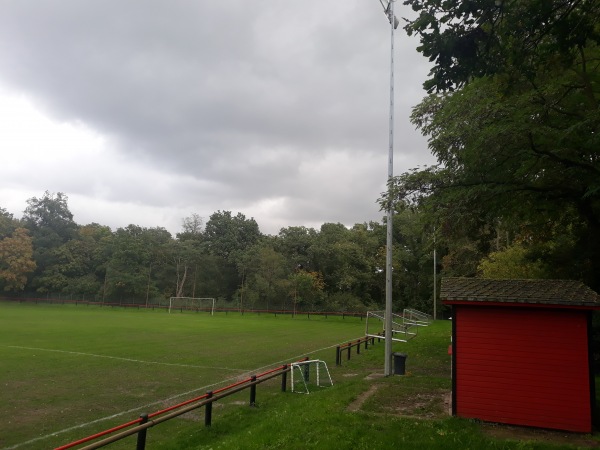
(334, 268)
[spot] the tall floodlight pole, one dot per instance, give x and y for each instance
(389, 11)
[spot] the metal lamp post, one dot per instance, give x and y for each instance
(389, 12)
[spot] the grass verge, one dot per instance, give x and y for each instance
(365, 410)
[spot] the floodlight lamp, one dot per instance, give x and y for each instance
(388, 12)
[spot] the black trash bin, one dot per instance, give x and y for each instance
(399, 363)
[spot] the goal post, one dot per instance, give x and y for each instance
(192, 304)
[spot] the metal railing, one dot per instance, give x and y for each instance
(418, 318)
(140, 426)
(348, 346)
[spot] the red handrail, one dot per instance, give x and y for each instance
(169, 409)
(98, 435)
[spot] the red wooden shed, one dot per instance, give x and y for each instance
(521, 351)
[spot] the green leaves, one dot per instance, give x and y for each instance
(475, 38)
(514, 124)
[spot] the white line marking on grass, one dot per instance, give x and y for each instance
(124, 359)
(159, 402)
(114, 416)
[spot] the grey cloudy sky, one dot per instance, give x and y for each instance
(148, 111)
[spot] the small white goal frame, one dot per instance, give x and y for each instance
(302, 368)
(193, 304)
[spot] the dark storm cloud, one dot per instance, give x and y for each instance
(240, 100)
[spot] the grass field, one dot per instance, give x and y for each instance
(70, 371)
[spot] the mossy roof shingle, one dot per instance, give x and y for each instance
(543, 292)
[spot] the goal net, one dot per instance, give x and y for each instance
(195, 304)
(309, 373)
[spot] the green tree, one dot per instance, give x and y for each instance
(156, 248)
(135, 254)
(514, 126)
(227, 235)
(305, 289)
(8, 224)
(226, 239)
(51, 224)
(186, 257)
(295, 244)
(49, 219)
(81, 263)
(513, 263)
(269, 270)
(470, 39)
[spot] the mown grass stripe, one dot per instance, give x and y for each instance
(125, 359)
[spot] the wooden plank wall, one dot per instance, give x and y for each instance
(523, 366)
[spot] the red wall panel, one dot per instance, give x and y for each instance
(522, 366)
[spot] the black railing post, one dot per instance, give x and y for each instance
(338, 356)
(358, 347)
(366, 343)
(284, 378)
(141, 437)
(349, 349)
(208, 410)
(253, 391)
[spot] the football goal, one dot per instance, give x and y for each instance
(306, 373)
(192, 304)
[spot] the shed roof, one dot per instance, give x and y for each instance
(542, 292)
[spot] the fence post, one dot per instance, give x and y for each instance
(253, 391)
(366, 343)
(338, 356)
(208, 410)
(358, 347)
(284, 378)
(349, 349)
(141, 437)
